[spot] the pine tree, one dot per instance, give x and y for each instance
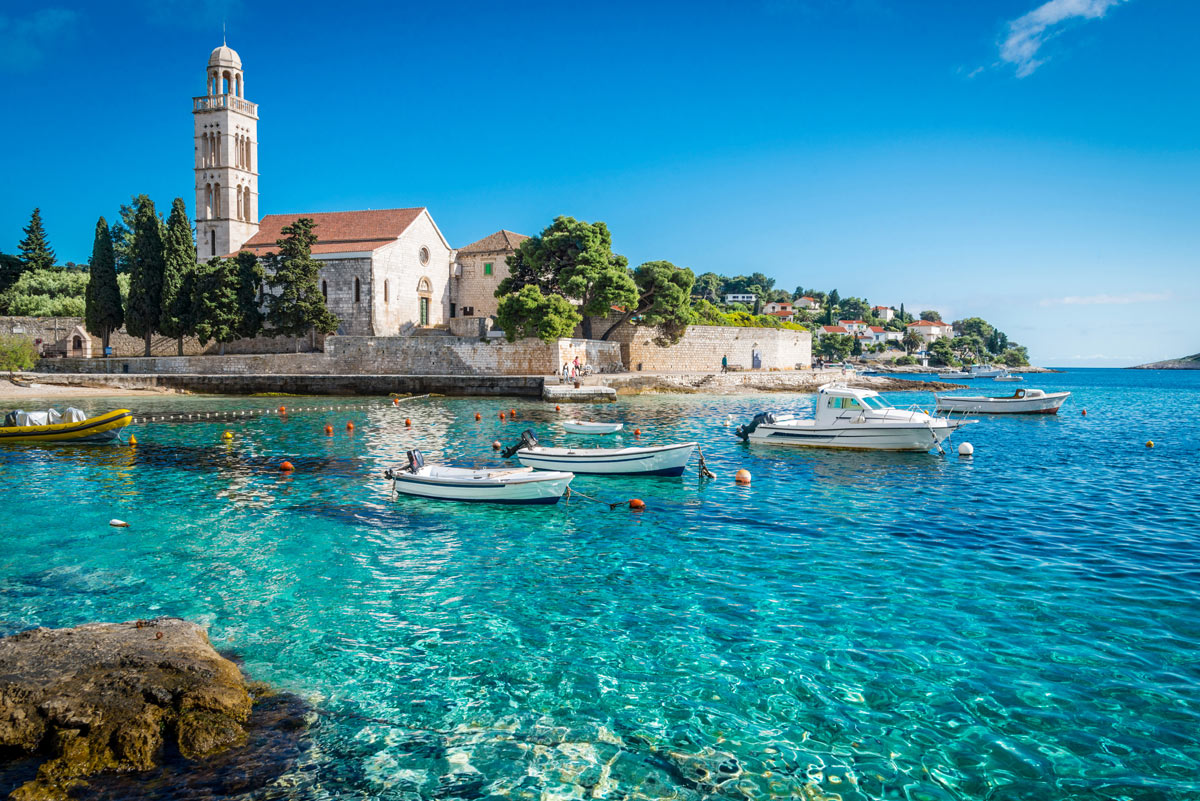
(35, 247)
(11, 268)
(104, 314)
(179, 259)
(144, 310)
(249, 294)
(297, 305)
(215, 296)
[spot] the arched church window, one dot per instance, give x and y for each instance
(357, 290)
(324, 291)
(208, 202)
(385, 291)
(423, 285)
(239, 203)
(217, 200)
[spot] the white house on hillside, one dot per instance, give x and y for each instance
(854, 326)
(808, 303)
(884, 313)
(777, 306)
(931, 331)
(740, 298)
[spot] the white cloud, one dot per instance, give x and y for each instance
(1027, 34)
(28, 39)
(1107, 300)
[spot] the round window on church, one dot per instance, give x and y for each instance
(424, 255)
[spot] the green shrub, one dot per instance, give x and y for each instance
(17, 353)
(708, 314)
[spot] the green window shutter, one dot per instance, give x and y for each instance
(487, 268)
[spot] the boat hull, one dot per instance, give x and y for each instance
(579, 427)
(100, 429)
(1046, 404)
(915, 438)
(535, 490)
(667, 460)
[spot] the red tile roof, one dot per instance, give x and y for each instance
(338, 231)
(782, 313)
(494, 243)
(878, 329)
(876, 308)
(834, 329)
(926, 323)
(808, 297)
(852, 322)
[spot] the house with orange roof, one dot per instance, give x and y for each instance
(807, 303)
(478, 270)
(854, 326)
(885, 313)
(931, 331)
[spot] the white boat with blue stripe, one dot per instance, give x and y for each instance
(651, 460)
(519, 485)
(852, 418)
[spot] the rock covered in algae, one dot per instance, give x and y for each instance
(108, 696)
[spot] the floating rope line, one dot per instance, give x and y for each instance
(283, 411)
(571, 493)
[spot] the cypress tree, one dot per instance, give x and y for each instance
(145, 275)
(297, 305)
(249, 294)
(179, 259)
(215, 301)
(35, 247)
(11, 268)
(103, 310)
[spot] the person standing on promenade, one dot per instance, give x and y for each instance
(725, 363)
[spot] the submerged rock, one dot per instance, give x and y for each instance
(111, 696)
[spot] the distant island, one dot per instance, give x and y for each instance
(1186, 363)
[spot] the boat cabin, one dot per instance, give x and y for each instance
(833, 400)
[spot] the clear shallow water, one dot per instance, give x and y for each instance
(1023, 624)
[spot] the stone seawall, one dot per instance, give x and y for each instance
(703, 346)
(56, 334)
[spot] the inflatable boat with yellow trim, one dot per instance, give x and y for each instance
(102, 428)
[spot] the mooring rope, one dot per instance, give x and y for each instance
(571, 493)
(282, 411)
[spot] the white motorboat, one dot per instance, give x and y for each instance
(954, 375)
(1023, 401)
(987, 371)
(1008, 377)
(493, 485)
(852, 418)
(586, 427)
(652, 460)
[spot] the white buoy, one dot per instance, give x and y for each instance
(118, 523)
(966, 449)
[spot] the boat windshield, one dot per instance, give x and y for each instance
(876, 403)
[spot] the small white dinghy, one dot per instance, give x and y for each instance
(1023, 401)
(493, 485)
(653, 460)
(585, 427)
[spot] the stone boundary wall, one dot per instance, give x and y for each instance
(523, 386)
(415, 356)
(701, 349)
(55, 330)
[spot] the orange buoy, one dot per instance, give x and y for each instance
(478, 416)
(1150, 443)
(512, 412)
(1084, 413)
(637, 432)
(501, 415)
(286, 467)
(496, 445)
(637, 504)
(557, 408)
(328, 430)
(349, 426)
(283, 410)
(742, 476)
(407, 422)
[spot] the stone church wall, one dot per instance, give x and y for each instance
(337, 277)
(52, 331)
(399, 264)
(701, 349)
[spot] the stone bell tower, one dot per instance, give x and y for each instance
(226, 126)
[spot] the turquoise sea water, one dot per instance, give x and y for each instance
(1024, 624)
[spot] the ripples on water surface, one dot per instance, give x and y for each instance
(1016, 626)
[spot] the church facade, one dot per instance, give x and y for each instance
(384, 272)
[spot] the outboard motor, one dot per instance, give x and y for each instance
(762, 417)
(10, 419)
(416, 460)
(528, 440)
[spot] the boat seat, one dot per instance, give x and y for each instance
(512, 472)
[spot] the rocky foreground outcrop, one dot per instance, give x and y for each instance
(110, 696)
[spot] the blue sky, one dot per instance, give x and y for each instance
(1033, 163)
